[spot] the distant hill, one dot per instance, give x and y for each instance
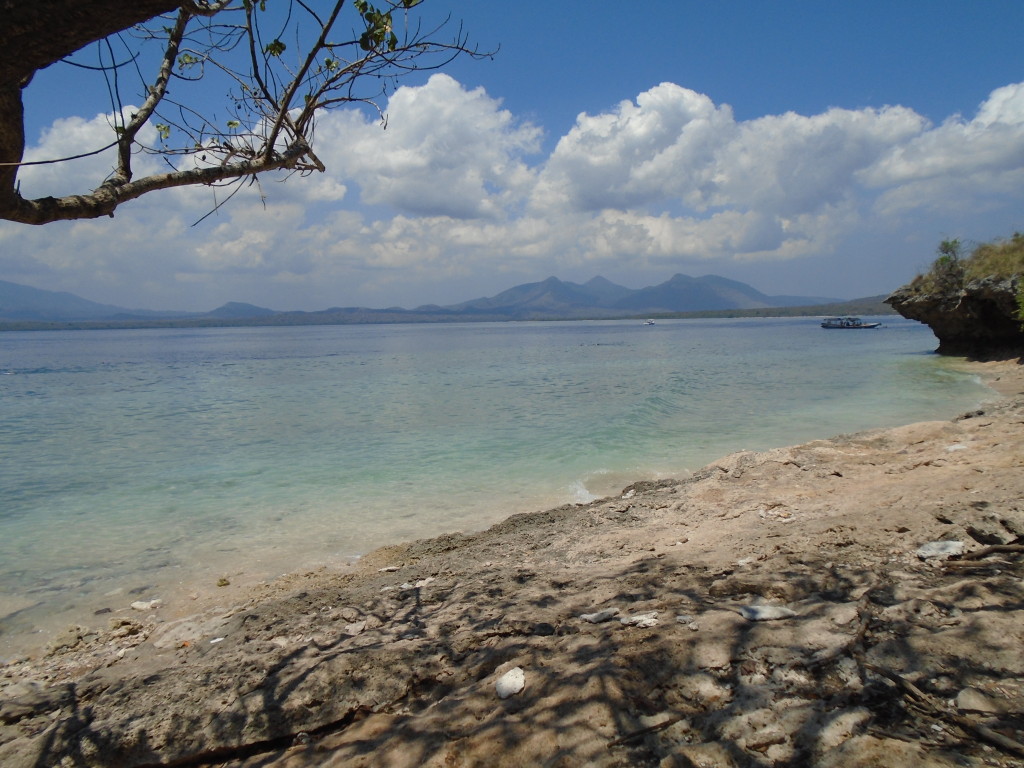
(550, 299)
(22, 302)
(234, 310)
(554, 299)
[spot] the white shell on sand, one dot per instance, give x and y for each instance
(766, 612)
(935, 549)
(511, 683)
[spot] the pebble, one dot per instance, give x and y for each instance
(599, 616)
(511, 683)
(641, 620)
(689, 621)
(766, 612)
(973, 700)
(145, 605)
(354, 628)
(940, 549)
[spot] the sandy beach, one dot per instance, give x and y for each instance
(852, 601)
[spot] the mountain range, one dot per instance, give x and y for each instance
(550, 299)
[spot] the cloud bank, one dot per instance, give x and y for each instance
(456, 192)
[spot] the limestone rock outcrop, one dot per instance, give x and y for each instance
(979, 320)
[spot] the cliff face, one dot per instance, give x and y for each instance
(979, 320)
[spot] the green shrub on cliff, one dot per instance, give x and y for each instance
(1000, 259)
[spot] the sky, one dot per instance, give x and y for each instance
(806, 148)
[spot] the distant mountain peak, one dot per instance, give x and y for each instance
(235, 310)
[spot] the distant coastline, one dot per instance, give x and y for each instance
(873, 305)
(25, 308)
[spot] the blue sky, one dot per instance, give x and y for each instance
(804, 147)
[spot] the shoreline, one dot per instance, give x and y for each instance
(184, 572)
(394, 660)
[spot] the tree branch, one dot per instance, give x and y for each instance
(156, 92)
(267, 129)
(104, 200)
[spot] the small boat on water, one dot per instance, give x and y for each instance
(648, 322)
(846, 322)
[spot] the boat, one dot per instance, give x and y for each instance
(648, 322)
(847, 322)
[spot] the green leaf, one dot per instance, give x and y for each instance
(274, 48)
(164, 130)
(233, 124)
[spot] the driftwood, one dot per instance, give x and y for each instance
(931, 706)
(986, 551)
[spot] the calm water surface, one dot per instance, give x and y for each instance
(134, 463)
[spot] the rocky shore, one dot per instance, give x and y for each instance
(857, 601)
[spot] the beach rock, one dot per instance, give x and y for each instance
(688, 621)
(978, 319)
(511, 683)
(940, 549)
(354, 628)
(125, 627)
(973, 700)
(70, 638)
(600, 616)
(766, 612)
(145, 605)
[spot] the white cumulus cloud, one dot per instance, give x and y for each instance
(445, 151)
(454, 189)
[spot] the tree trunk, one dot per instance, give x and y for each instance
(36, 33)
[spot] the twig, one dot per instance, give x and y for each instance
(644, 731)
(986, 551)
(965, 564)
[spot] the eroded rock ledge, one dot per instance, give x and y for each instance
(978, 321)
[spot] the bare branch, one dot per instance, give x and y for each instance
(104, 200)
(156, 93)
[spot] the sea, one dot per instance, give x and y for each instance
(140, 464)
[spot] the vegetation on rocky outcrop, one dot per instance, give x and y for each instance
(997, 259)
(974, 304)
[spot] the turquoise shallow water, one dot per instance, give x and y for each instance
(140, 462)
